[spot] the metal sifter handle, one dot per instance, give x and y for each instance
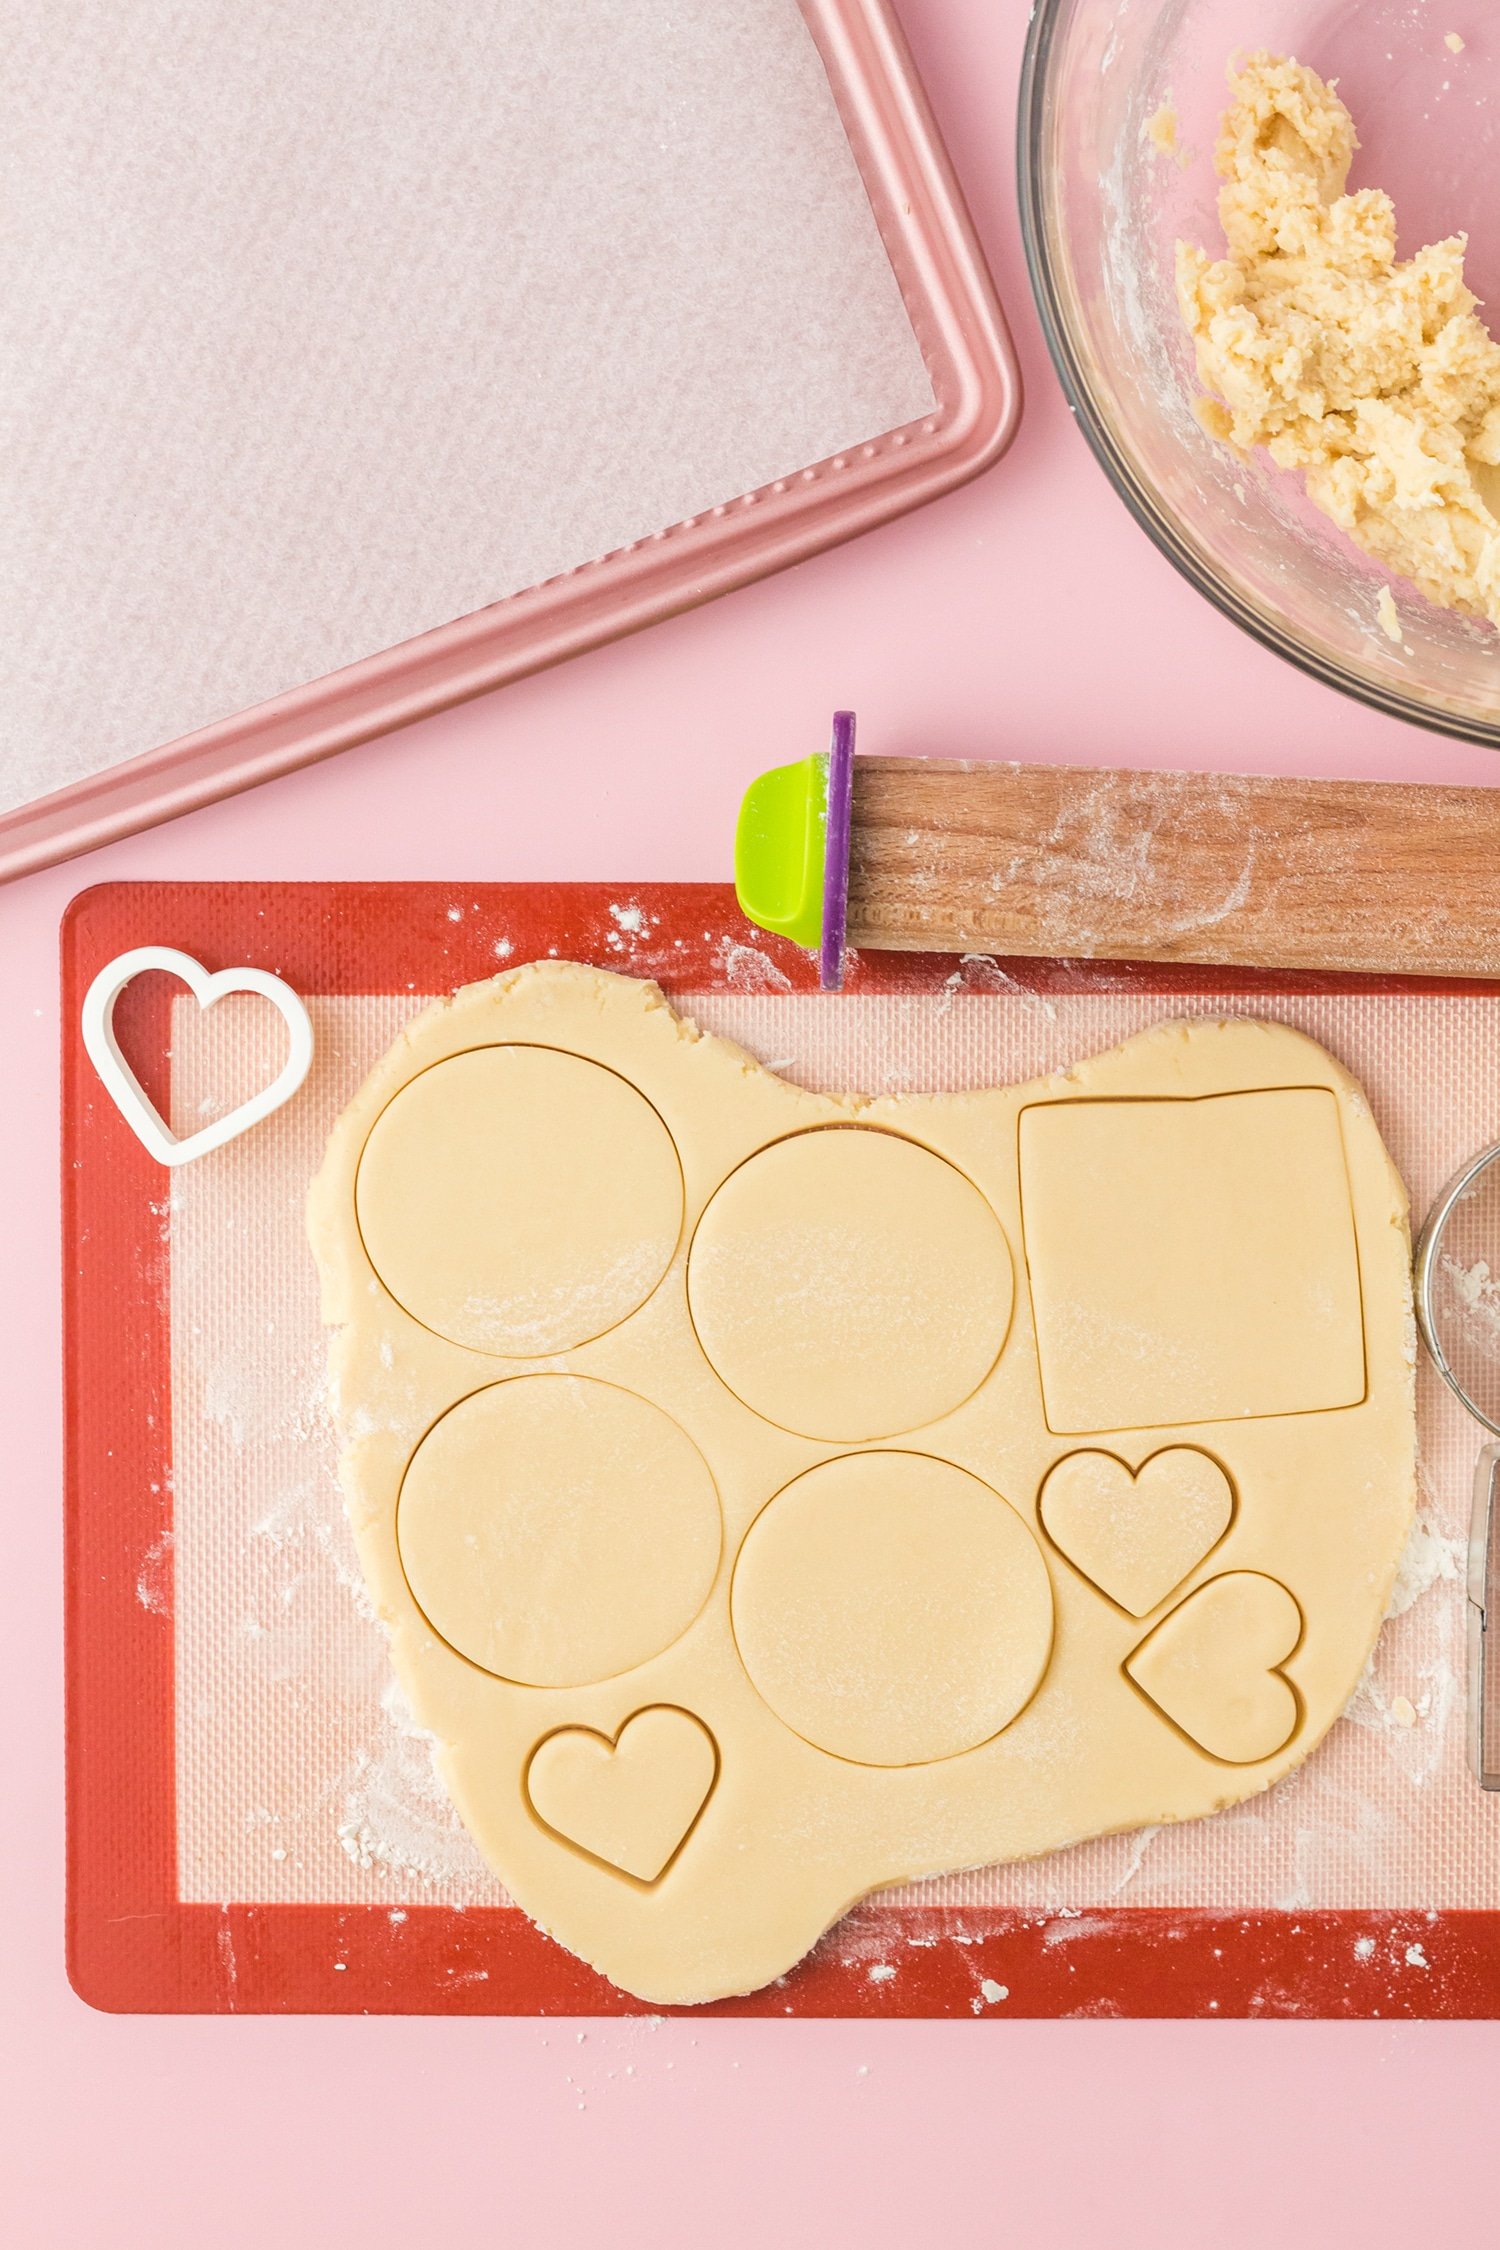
(1484, 1647)
(1484, 1659)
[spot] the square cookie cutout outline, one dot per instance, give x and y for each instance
(1191, 1259)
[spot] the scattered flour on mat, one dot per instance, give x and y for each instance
(1473, 1285)
(1476, 1292)
(980, 972)
(153, 1585)
(299, 1520)
(746, 969)
(1413, 1718)
(237, 1398)
(1141, 1843)
(1430, 1558)
(1071, 1924)
(394, 1815)
(388, 1804)
(632, 924)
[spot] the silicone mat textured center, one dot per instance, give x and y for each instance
(771, 1497)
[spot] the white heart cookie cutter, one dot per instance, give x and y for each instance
(135, 1106)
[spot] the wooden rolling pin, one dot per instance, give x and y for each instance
(947, 856)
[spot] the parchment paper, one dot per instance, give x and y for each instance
(324, 325)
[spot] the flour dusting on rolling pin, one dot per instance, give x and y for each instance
(1243, 870)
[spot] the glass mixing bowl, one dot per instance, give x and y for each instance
(1101, 212)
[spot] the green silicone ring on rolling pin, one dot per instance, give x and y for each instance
(778, 850)
(791, 851)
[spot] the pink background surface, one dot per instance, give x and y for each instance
(1025, 617)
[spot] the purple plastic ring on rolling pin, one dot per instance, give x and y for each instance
(836, 852)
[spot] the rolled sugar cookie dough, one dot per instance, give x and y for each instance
(772, 1497)
(1372, 375)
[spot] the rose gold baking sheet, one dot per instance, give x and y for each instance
(370, 356)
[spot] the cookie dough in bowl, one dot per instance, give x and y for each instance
(1372, 376)
(712, 1645)
(1339, 503)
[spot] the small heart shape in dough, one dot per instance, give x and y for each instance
(1213, 1667)
(1137, 1536)
(631, 1802)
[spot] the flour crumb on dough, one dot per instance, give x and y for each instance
(1453, 43)
(1373, 376)
(1385, 610)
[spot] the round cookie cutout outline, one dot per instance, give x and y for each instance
(847, 1372)
(792, 1655)
(642, 1611)
(428, 1206)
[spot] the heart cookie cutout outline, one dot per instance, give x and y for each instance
(628, 1801)
(1213, 1667)
(124, 1088)
(1137, 1534)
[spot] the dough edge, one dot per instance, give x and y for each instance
(694, 1972)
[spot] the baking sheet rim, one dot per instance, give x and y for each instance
(961, 330)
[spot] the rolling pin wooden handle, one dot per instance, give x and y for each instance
(1246, 870)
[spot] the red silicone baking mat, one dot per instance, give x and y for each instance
(251, 1829)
